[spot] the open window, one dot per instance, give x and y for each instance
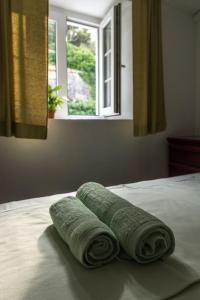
(86, 59)
(110, 62)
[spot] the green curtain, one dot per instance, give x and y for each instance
(23, 68)
(149, 108)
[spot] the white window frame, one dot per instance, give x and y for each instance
(60, 16)
(61, 60)
(51, 19)
(109, 18)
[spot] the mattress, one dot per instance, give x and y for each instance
(35, 264)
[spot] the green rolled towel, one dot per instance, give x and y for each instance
(91, 241)
(142, 236)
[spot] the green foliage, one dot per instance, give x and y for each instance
(79, 107)
(83, 59)
(80, 57)
(52, 42)
(54, 100)
(52, 58)
(77, 36)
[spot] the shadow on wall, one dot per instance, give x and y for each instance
(76, 152)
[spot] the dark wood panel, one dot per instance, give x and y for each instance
(184, 155)
(180, 169)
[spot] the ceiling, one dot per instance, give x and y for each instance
(98, 8)
(95, 8)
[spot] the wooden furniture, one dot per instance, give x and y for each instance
(184, 155)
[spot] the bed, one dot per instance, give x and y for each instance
(35, 264)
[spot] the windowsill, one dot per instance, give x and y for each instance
(94, 118)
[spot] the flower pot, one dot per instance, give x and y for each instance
(51, 114)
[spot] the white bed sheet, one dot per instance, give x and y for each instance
(35, 264)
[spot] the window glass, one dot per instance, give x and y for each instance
(107, 65)
(52, 73)
(107, 93)
(107, 38)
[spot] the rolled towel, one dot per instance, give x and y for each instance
(90, 240)
(142, 236)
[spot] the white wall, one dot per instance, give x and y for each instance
(197, 87)
(105, 151)
(179, 63)
(127, 61)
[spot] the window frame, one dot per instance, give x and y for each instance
(126, 111)
(56, 53)
(60, 18)
(109, 110)
(114, 18)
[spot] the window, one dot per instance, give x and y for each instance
(110, 41)
(52, 73)
(107, 64)
(86, 59)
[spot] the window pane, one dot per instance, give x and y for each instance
(52, 53)
(107, 94)
(107, 66)
(107, 37)
(81, 68)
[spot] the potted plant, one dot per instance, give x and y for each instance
(54, 99)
